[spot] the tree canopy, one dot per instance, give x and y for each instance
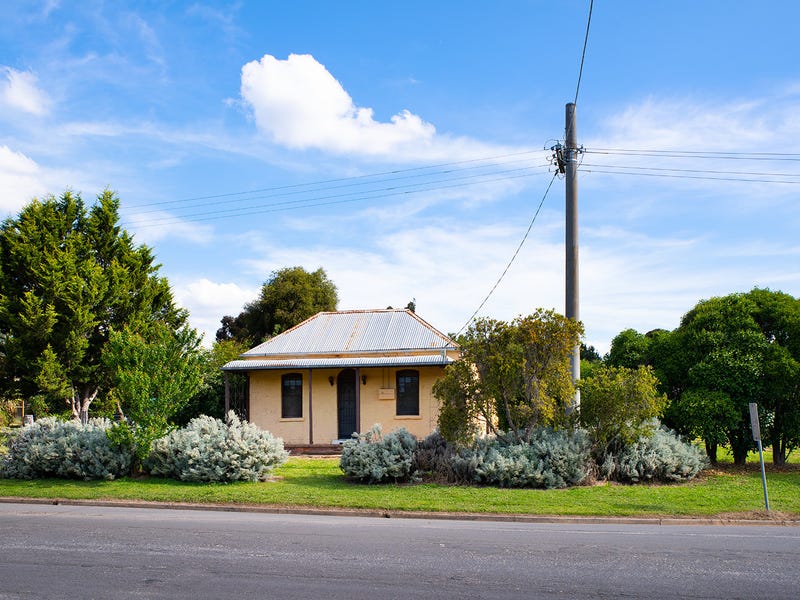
(727, 352)
(153, 379)
(68, 276)
(619, 405)
(513, 376)
(290, 296)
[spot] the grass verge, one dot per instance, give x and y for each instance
(318, 483)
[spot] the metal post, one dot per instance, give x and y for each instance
(571, 187)
(756, 429)
(763, 475)
(310, 407)
(227, 394)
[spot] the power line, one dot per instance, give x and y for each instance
(298, 192)
(549, 185)
(309, 203)
(702, 171)
(583, 53)
(325, 182)
(708, 155)
(701, 177)
(510, 262)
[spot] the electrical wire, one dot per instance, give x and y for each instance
(309, 203)
(706, 155)
(583, 53)
(701, 171)
(549, 185)
(513, 258)
(284, 191)
(326, 182)
(707, 178)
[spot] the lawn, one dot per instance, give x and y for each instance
(318, 483)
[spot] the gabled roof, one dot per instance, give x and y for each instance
(361, 332)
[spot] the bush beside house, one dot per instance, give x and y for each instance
(205, 450)
(212, 450)
(551, 459)
(53, 448)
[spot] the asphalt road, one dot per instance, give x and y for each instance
(61, 551)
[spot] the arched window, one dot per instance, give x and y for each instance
(408, 392)
(292, 396)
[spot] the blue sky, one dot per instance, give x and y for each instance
(401, 147)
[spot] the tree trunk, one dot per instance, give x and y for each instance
(711, 452)
(740, 455)
(779, 452)
(80, 406)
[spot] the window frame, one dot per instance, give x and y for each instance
(405, 404)
(292, 392)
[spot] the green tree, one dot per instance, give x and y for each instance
(590, 360)
(514, 375)
(778, 317)
(154, 378)
(728, 352)
(70, 275)
(290, 296)
(210, 398)
(707, 415)
(619, 405)
(628, 349)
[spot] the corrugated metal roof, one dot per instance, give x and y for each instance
(355, 332)
(338, 363)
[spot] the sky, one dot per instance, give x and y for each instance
(405, 148)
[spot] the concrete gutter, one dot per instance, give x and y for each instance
(767, 520)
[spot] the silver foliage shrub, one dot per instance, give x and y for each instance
(552, 459)
(54, 448)
(208, 449)
(372, 457)
(662, 456)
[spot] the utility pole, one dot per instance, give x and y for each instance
(572, 311)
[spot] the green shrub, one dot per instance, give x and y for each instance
(53, 448)
(434, 456)
(551, 459)
(619, 405)
(209, 449)
(373, 457)
(661, 456)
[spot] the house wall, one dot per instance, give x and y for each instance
(265, 404)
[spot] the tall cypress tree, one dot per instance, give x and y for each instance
(68, 276)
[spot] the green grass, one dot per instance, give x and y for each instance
(318, 482)
(725, 456)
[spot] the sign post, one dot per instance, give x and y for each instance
(754, 425)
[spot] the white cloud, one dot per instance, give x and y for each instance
(20, 92)
(449, 270)
(208, 301)
(20, 180)
(301, 105)
(669, 127)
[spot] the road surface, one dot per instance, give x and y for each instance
(62, 551)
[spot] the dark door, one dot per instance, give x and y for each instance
(346, 403)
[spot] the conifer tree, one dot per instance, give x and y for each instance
(68, 276)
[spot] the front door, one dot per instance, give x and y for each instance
(346, 403)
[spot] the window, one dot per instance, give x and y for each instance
(292, 396)
(408, 392)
